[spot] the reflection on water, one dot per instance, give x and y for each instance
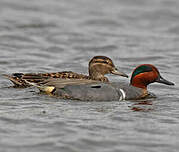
(51, 35)
(145, 105)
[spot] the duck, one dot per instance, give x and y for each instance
(92, 90)
(99, 66)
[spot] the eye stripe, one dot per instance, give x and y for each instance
(101, 59)
(102, 62)
(141, 69)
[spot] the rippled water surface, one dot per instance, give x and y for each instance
(57, 35)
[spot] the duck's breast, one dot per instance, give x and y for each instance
(129, 92)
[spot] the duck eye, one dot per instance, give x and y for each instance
(106, 62)
(142, 69)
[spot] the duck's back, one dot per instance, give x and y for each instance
(20, 79)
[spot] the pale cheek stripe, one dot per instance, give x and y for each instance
(123, 95)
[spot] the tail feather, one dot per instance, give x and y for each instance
(5, 75)
(14, 80)
(42, 88)
(18, 79)
(18, 75)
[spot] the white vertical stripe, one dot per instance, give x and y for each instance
(123, 97)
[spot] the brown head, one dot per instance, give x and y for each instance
(145, 74)
(101, 65)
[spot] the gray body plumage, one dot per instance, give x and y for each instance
(100, 92)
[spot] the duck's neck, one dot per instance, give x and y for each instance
(138, 85)
(95, 75)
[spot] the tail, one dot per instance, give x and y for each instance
(18, 79)
(13, 79)
(42, 88)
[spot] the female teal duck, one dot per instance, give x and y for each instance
(98, 67)
(90, 90)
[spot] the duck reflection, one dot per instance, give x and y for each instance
(142, 105)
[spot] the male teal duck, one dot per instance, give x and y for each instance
(90, 90)
(98, 67)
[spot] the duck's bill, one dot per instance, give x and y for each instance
(164, 81)
(117, 72)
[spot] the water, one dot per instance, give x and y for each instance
(52, 35)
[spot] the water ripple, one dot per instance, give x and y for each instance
(50, 36)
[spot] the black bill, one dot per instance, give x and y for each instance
(164, 81)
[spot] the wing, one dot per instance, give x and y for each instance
(21, 79)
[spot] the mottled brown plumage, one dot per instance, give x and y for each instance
(98, 67)
(19, 78)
